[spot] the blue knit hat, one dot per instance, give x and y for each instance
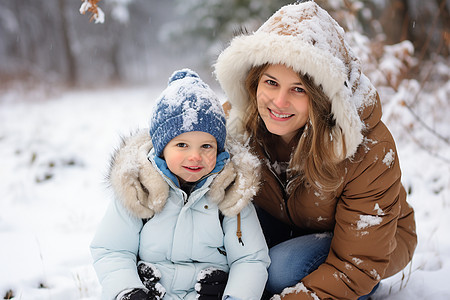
(187, 104)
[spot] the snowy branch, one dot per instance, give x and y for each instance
(92, 7)
(425, 125)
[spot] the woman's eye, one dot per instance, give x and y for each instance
(299, 90)
(271, 82)
(182, 145)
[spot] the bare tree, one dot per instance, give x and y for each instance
(70, 58)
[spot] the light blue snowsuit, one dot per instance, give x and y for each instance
(184, 234)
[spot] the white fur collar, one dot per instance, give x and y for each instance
(144, 192)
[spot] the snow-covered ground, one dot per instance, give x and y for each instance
(54, 155)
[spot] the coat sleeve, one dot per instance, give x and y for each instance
(248, 262)
(114, 250)
(364, 234)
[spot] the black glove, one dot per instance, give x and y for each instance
(211, 283)
(150, 277)
(135, 294)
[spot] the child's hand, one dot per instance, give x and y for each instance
(211, 283)
(150, 276)
(136, 294)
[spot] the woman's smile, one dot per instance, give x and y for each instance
(279, 116)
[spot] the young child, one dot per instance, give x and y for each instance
(181, 224)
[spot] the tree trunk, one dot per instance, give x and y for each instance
(71, 64)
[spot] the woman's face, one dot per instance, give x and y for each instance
(282, 101)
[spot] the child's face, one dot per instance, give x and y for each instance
(191, 155)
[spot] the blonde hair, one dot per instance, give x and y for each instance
(315, 160)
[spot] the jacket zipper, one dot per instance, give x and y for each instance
(283, 188)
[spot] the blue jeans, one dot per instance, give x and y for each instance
(295, 258)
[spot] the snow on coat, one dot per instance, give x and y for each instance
(180, 239)
(307, 39)
(373, 225)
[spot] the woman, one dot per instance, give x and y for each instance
(331, 205)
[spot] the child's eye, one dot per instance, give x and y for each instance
(182, 145)
(207, 146)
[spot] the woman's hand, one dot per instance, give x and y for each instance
(297, 292)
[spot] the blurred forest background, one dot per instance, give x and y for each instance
(48, 46)
(67, 85)
(49, 42)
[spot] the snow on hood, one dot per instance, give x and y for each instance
(306, 38)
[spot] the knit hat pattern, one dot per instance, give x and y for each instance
(187, 104)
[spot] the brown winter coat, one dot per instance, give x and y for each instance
(373, 225)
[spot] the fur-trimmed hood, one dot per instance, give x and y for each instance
(143, 191)
(305, 37)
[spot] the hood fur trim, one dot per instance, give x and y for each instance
(237, 184)
(131, 175)
(143, 191)
(304, 37)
